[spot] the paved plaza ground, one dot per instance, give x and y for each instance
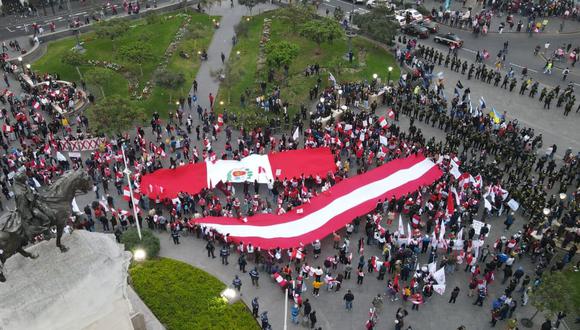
(436, 314)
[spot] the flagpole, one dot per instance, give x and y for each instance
(286, 309)
(127, 172)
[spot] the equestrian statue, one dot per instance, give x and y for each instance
(37, 212)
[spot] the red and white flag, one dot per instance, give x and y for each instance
(450, 204)
(383, 122)
(127, 194)
(192, 178)
(331, 211)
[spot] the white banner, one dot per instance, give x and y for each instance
(251, 168)
(439, 276)
(513, 204)
(439, 288)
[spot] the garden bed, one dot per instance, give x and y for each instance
(184, 297)
(248, 65)
(124, 57)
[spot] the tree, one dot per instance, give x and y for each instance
(250, 4)
(111, 29)
(99, 77)
(114, 115)
(321, 30)
(298, 14)
(375, 26)
(552, 296)
(281, 53)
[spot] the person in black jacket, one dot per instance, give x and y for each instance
(313, 320)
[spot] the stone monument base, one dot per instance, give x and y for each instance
(84, 288)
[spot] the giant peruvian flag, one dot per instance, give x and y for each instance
(332, 209)
(192, 178)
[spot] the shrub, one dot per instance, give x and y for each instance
(424, 11)
(137, 52)
(150, 242)
(169, 79)
(281, 52)
(73, 58)
(111, 29)
(375, 26)
(249, 120)
(152, 18)
(185, 297)
(242, 28)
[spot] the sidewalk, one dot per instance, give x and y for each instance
(221, 43)
(570, 26)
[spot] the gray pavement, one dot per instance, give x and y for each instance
(220, 43)
(436, 313)
(16, 25)
(521, 44)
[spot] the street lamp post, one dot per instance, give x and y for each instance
(390, 69)
(28, 68)
(339, 96)
(21, 65)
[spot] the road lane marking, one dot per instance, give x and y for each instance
(521, 67)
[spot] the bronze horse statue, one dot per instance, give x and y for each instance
(55, 203)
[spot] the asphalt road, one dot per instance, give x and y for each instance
(15, 26)
(520, 51)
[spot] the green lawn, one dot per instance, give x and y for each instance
(156, 35)
(369, 59)
(574, 284)
(185, 297)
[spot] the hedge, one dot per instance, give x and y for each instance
(150, 242)
(185, 297)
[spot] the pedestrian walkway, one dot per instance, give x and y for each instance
(220, 43)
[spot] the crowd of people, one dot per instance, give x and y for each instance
(489, 161)
(425, 59)
(535, 16)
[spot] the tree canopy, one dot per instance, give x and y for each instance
(114, 115)
(374, 25)
(553, 295)
(250, 4)
(321, 30)
(281, 52)
(298, 14)
(99, 77)
(111, 29)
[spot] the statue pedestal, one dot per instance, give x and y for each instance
(84, 288)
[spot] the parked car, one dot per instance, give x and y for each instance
(430, 25)
(417, 30)
(448, 39)
(358, 1)
(413, 13)
(380, 3)
(401, 20)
